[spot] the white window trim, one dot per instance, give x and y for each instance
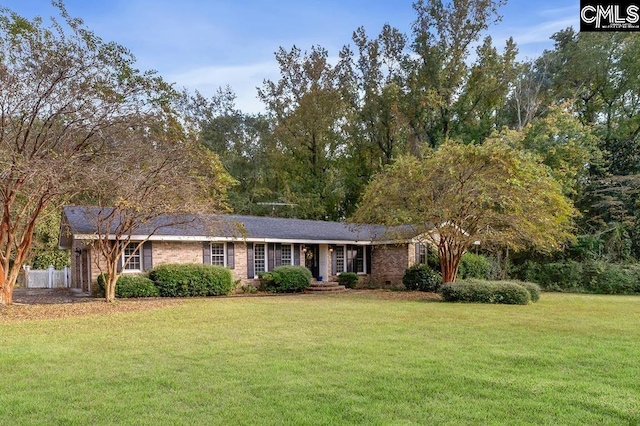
(224, 251)
(266, 259)
(125, 264)
(345, 261)
(291, 246)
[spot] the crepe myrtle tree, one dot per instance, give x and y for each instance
(460, 194)
(150, 177)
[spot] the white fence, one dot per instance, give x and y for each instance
(46, 278)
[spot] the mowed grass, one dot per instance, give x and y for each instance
(327, 360)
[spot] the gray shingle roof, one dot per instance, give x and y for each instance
(81, 221)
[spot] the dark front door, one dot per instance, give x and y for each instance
(312, 259)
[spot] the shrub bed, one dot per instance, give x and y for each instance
(348, 279)
(286, 279)
(478, 291)
(422, 278)
(130, 286)
(192, 280)
(584, 277)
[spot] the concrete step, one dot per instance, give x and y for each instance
(325, 286)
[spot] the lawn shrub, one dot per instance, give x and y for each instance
(286, 279)
(532, 288)
(422, 278)
(480, 291)
(130, 286)
(192, 280)
(348, 279)
(473, 266)
(590, 276)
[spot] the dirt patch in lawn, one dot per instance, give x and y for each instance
(62, 303)
(400, 295)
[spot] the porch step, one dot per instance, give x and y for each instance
(325, 286)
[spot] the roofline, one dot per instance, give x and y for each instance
(201, 238)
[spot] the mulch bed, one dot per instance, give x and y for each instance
(62, 303)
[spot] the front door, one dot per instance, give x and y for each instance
(312, 259)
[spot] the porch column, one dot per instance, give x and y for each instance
(324, 261)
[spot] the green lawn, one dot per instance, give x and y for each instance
(326, 360)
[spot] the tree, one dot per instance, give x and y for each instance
(307, 109)
(464, 193)
(150, 177)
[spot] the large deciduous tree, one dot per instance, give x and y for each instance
(66, 99)
(464, 193)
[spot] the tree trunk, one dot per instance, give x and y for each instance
(6, 289)
(449, 262)
(110, 288)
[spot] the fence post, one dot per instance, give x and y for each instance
(50, 277)
(26, 275)
(66, 277)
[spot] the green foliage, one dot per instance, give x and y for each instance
(479, 291)
(130, 286)
(348, 279)
(192, 280)
(598, 277)
(286, 279)
(422, 278)
(473, 266)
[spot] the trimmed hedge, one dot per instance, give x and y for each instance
(192, 280)
(421, 277)
(479, 291)
(286, 279)
(348, 279)
(129, 286)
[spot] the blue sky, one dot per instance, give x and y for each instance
(204, 44)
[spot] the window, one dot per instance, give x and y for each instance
(360, 260)
(422, 254)
(339, 251)
(131, 259)
(350, 259)
(217, 254)
(259, 260)
(286, 255)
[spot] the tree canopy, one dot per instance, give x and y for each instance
(463, 193)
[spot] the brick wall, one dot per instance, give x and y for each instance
(176, 252)
(388, 264)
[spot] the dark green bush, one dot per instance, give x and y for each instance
(421, 277)
(286, 279)
(192, 280)
(532, 288)
(479, 291)
(348, 279)
(129, 286)
(586, 277)
(473, 266)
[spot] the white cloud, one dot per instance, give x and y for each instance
(243, 79)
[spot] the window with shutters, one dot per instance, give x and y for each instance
(286, 254)
(339, 251)
(218, 255)
(131, 258)
(259, 258)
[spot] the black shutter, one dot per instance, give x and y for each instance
(250, 266)
(206, 253)
(231, 260)
(334, 262)
(417, 252)
(147, 256)
(369, 251)
(278, 255)
(296, 254)
(119, 266)
(271, 255)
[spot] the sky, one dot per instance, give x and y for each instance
(205, 44)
